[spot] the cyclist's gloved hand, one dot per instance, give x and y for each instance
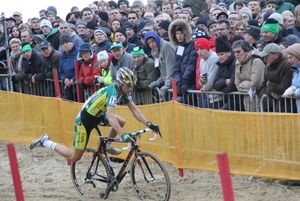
(125, 137)
(154, 127)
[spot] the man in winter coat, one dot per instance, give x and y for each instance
(277, 77)
(34, 65)
(180, 34)
(146, 73)
(66, 69)
(120, 59)
(164, 58)
(225, 77)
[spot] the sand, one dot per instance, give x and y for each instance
(46, 176)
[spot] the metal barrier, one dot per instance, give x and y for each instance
(236, 101)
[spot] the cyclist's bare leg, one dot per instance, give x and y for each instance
(71, 154)
(112, 132)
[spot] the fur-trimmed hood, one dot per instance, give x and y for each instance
(186, 30)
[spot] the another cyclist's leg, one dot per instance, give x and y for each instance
(113, 133)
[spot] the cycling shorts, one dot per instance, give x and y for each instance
(84, 124)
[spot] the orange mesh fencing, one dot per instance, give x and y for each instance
(257, 144)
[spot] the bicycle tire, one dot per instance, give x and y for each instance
(157, 189)
(96, 183)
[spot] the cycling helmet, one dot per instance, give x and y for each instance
(126, 76)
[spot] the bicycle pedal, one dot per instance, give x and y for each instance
(116, 160)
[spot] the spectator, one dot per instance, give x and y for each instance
(121, 37)
(52, 58)
(146, 73)
(245, 14)
(223, 28)
(15, 64)
(270, 31)
(296, 26)
(81, 30)
(27, 37)
(164, 57)
(10, 23)
(288, 19)
(283, 6)
(293, 56)
(212, 27)
(87, 15)
(18, 18)
(131, 35)
(101, 41)
(120, 59)
(186, 56)
(66, 69)
(277, 77)
(65, 28)
(49, 33)
(233, 18)
(225, 78)
(252, 35)
(239, 27)
(35, 25)
(254, 6)
(162, 29)
(207, 71)
(249, 72)
(89, 67)
(34, 65)
(104, 59)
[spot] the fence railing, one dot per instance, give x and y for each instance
(236, 101)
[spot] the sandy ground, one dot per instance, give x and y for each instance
(46, 176)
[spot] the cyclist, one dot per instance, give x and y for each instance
(100, 109)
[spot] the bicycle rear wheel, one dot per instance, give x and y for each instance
(90, 184)
(150, 178)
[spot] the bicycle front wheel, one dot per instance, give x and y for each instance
(149, 177)
(90, 183)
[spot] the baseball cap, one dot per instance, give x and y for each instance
(116, 45)
(253, 31)
(45, 44)
(270, 48)
(17, 13)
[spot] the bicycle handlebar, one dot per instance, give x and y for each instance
(136, 133)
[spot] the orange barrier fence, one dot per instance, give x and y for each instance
(258, 144)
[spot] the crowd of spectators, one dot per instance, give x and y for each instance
(247, 46)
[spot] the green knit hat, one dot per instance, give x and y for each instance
(271, 27)
(26, 48)
(137, 50)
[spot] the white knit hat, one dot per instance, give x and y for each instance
(102, 55)
(45, 23)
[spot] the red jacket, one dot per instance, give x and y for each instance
(88, 69)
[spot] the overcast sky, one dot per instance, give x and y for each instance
(31, 8)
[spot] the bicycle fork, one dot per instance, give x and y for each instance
(138, 159)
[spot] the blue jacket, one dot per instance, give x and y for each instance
(66, 67)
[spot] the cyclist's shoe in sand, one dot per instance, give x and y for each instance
(114, 151)
(39, 142)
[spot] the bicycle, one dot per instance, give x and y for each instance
(148, 175)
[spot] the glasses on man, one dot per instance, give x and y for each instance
(237, 52)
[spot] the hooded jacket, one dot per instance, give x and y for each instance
(53, 38)
(164, 56)
(88, 69)
(185, 66)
